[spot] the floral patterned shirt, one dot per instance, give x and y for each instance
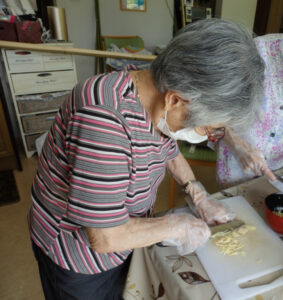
(267, 132)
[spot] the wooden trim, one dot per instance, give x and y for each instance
(194, 162)
(261, 16)
(182, 8)
(275, 16)
(74, 51)
(5, 135)
(171, 192)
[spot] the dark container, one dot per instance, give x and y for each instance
(273, 204)
(8, 31)
(29, 32)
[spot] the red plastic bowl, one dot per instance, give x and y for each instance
(273, 203)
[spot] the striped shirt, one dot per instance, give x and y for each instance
(101, 163)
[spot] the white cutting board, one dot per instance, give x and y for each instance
(264, 255)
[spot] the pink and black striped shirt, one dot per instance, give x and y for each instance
(101, 163)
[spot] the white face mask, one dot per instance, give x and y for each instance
(189, 135)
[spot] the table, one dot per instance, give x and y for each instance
(155, 271)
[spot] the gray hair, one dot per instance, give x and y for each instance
(214, 64)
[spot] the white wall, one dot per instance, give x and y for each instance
(241, 11)
(155, 25)
(80, 17)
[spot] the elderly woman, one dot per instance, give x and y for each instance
(109, 147)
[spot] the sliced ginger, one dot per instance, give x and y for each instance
(229, 242)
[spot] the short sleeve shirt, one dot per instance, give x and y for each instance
(102, 162)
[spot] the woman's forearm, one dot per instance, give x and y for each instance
(180, 169)
(136, 233)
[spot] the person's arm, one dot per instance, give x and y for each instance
(249, 157)
(179, 168)
(210, 211)
(137, 232)
(183, 230)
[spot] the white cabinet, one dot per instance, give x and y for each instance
(39, 83)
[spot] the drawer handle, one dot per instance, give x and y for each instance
(50, 118)
(44, 96)
(44, 74)
(23, 52)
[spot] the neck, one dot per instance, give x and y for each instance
(151, 99)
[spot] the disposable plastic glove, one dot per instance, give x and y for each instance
(186, 232)
(209, 209)
(249, 157)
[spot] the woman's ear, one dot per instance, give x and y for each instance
(173, 100)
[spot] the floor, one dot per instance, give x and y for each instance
(18, 270)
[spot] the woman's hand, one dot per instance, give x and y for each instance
(252, 160)
(249, 157)
(209, 209)
(186, 232)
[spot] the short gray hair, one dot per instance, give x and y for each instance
(214, 64)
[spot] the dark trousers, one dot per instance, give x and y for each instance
(61, 284)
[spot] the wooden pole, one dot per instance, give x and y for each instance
(74, 51)
(182, 4)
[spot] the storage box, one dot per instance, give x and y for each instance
(8, 31)
(38, 123)
(29, 31)
(41, 102)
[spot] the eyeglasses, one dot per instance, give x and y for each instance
(215, 134)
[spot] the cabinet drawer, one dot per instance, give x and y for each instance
(53, 61)
(41, 102)
(37, 123)
(20, 61)
(33, 83)
(24, 60)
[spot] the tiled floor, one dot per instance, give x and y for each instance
(18, 270)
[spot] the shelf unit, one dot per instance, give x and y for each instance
(192, 10)
(39, 83)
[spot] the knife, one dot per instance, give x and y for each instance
(236, 223)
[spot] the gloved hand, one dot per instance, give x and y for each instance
(209, 209)
(249, 157)
(252, 160)
(186, 232)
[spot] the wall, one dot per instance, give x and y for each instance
(155, 25)
(241, 11)
(80, 17)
